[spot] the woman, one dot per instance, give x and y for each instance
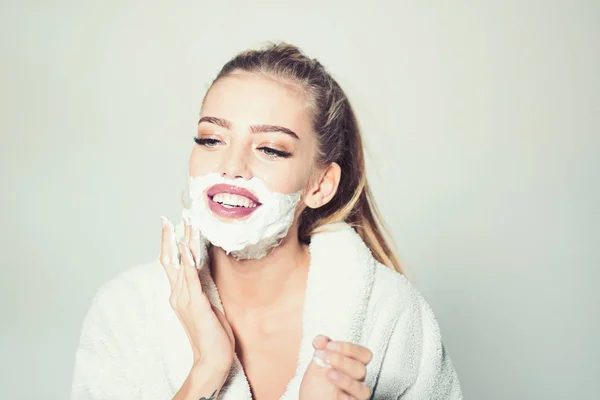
(280, 283)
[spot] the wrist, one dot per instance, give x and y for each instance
(203, 382)
(219, 365)
(202, 370)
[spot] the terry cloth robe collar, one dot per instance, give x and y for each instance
(340, 280)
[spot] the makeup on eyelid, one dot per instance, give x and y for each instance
(271, 150)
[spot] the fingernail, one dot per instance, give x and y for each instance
(165, 221)
(320, 358)
(333, 346)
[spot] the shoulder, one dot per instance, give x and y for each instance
(116, 344)
(397, 292)
(139, 279)
(131, 292)
(414, 316)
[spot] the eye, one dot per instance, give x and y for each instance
(207, 142)
(270, 152)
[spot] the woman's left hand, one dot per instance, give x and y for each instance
(336, 372)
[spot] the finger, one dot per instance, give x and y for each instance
(320, 341)
(180, 284)
(191, 275)
(170, 242)
(165, 253)
(350, 386)
(225, 322)
(192, 240)
(355, 351)
(186, 231)
(175, 256)
(341, 395)
(186, 255)
(195, 246)
(351, 367)
(165, 250)
(176, 290)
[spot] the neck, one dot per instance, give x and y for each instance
(255, 287)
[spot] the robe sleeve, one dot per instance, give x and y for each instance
(105, 358)
(436, 378)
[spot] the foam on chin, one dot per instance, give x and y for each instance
(253, 237)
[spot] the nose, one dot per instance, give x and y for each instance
(234, 165)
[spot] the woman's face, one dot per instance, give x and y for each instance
(251, 126)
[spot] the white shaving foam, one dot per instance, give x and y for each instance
(252, 237)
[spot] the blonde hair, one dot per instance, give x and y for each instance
(339, 139)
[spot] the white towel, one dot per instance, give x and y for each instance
(132, 345)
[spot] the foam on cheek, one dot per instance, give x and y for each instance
(253, 236)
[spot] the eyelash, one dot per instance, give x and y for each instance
(268, 151)
(207, 142)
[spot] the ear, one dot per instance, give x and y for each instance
(324, 187)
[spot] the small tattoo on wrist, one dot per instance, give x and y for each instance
(212, 396)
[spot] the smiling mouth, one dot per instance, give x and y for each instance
(230, 201)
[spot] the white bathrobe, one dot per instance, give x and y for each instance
(133, 346)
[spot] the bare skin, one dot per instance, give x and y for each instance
(268, 336)
(269, 358)
(263, 299)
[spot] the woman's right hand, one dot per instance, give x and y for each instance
(209, 332)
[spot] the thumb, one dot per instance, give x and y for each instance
(225, 323)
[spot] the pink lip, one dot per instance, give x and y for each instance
(222, 188)
(225, 212)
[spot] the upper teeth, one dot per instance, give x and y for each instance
(233, 200)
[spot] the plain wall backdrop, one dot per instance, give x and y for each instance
(481, 121)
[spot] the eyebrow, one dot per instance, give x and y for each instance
(262, 128)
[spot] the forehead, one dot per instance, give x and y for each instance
(247, 99)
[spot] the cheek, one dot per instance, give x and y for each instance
(201, 163)
(291, 175)
(285, 177)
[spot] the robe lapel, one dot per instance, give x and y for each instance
(339, 282)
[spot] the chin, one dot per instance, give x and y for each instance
(257, 251)
(264, 247)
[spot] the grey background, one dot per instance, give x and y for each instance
(482, 125)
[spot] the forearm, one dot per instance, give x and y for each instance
(202, 383)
